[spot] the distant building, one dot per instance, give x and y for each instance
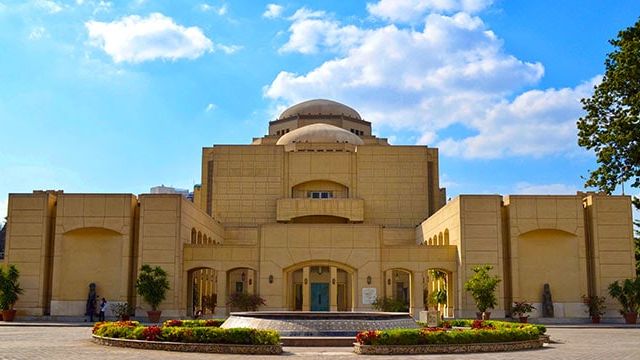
(3, 234)
(318, 215)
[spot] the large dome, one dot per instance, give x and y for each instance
(319, 133)
(319, 107)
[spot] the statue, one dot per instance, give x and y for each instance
(91, 302)
(547, 303)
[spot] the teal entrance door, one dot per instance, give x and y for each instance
(319, 297)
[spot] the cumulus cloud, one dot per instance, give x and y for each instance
(136, 39)
(413, 10)
(312, 31)
(273, 11)
(449, 72)
(535, 123)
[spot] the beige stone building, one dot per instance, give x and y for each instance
(319, 215)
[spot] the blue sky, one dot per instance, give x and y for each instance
(115, 96)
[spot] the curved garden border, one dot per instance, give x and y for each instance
(447, 348)
(190, 347)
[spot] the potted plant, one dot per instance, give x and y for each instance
(245, 302)
(521, 309)
(10, 291)
(595, 307)
(483, 290)
(628, 295)
(122, 310)
(152, 285)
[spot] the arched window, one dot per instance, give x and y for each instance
(446, 236)
(440, 239)
(193, 235)
(199, 238)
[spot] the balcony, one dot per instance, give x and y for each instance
(350, 209)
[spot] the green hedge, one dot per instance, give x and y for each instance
(456, 336)
(194, 323)
(497, 324)
(188, 334)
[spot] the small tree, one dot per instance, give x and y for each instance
(10, 289)
(483, 287)
(152, 285)
(627, 294)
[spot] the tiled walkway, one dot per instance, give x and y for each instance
(73, 342)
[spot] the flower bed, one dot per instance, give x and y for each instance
(481, 336)
(175, 334)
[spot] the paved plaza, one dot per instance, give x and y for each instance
(73, 342)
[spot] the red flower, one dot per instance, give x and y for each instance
(170, 323)
(367, 337)
(151, 333)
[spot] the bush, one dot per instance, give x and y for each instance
(188, 332)
(497, 324)
(152, 285)
(390, 305)
(245, 302)
(426, 336)
(483, 287)
(194, 323)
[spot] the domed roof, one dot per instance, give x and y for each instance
(319, 133)
(319, 106)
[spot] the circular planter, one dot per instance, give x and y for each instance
(523, 319)
(190, 347)
(595, 319)
(446, 348)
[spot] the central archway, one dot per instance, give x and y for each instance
(320, 286)
(202, 294)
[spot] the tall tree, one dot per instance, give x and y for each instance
(611, 126)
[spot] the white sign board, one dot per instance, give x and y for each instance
(369, 295)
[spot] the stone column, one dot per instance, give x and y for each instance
(221, 287)
(306, 289)
(333, 290)
(416, 287)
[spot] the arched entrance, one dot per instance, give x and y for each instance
(438, 291)
(398, 289)
(320, 286)
(202, 296)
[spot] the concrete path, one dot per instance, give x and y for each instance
(51, 341)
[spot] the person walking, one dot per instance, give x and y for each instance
(103, 309)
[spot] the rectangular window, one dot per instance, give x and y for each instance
(320, 194)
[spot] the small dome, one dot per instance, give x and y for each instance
(319, 107)
(320, 133)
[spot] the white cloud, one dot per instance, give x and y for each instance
(136, 39)
(49, 5)
(536, 123)
(413, 10)
(424, 81)
(525, 188)
(228, 49)
(210, 107)
(37, 33)
(220, 10)
(312, 31)
(273, 11)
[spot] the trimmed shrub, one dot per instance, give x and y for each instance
(440, 336)
(188, 332)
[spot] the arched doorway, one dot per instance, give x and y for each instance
(320, 286)
(202, 295)
(398, 289)
(438, 291)
(240, 281)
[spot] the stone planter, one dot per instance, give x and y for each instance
(190, 347)
(523, 319)
(446, 348)
(595, 319)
